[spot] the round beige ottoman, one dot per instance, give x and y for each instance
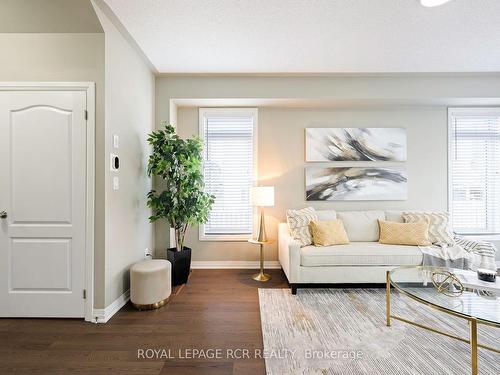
(150, 283)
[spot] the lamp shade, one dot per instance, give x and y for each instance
(263, 196)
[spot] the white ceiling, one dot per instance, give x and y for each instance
(314, 36)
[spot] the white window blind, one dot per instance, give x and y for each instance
(228, 134)
(475, 170)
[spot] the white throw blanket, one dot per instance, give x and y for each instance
(463, 254)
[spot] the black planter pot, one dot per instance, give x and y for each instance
(181, 264)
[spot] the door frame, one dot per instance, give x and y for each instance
(89, 89)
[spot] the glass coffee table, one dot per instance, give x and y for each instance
(473, 304)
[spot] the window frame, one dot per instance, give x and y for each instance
(230, 111)
(453, 112)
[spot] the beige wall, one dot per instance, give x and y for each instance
(414, 87)
(65, 57)
(366, 101)
(281, 164)
(129, 99)
(48, 16)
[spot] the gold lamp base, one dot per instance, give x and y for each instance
(261, 276)
(261, 235)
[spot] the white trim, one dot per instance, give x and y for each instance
(222, 237)
(482, 237)
(45, 86)
(173, 121)
(103, 315)
(90, 214)
(234, 264)
(254, 112)
(448, 155)
(468, 110)
(89, 88)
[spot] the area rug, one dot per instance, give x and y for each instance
(343, 331)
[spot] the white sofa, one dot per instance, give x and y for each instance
(362, 261)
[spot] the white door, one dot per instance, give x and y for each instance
(42, 203)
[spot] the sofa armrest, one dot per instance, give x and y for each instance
(289, 253)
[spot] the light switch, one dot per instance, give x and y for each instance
(116, 141)
(116, 183)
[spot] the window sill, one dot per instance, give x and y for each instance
(224, 238)
(482, 237)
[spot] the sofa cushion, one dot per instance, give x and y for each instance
(298, 222)
(416, 233)
(325, 215)
(361, 225)
(328, 232)
(439, 225)
(360, 254)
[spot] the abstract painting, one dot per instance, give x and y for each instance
(355, 184)
(355, 144)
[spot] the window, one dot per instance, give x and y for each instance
(229, 164)
(474, 170)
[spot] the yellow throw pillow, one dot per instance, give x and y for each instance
(326, 233)
(404, 233)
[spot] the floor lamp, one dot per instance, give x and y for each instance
(262, 196)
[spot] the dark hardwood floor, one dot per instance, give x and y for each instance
(217, 309)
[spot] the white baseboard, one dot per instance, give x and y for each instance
(234, 264)
(103, 315)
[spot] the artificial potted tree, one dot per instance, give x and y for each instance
(177, 163)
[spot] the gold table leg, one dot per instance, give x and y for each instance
(387, 299)
(473, 345)
(261, 276)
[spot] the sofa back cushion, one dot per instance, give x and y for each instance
(326, 215)
(394, 216)
(439, 225)
(361, 225)
(298, 222)
(329, 232)
(416, 233)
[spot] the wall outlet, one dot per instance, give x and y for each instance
(147, 254)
